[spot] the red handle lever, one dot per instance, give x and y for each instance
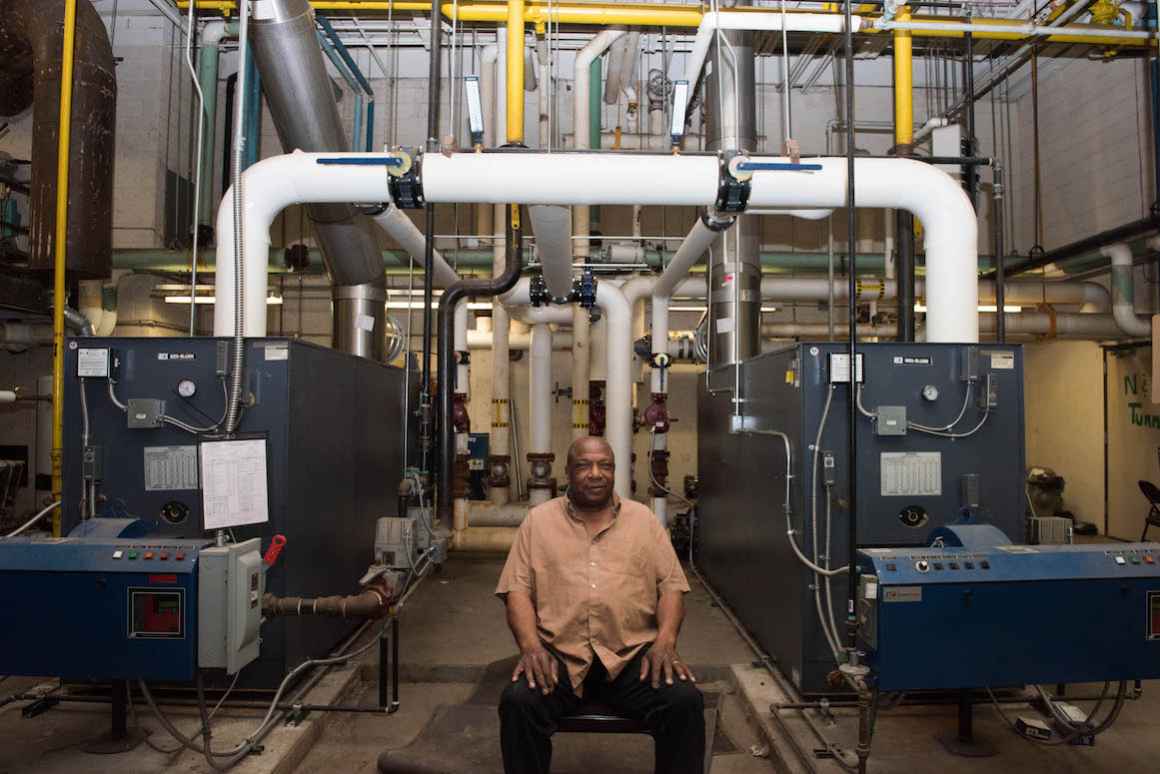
(276, 545)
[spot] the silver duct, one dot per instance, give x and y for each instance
(735, 269)
(302, 104)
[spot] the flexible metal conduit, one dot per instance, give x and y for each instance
(459, 291)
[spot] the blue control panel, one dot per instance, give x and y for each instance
(946, 618)
(99, 609)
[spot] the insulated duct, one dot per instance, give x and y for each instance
(735, 268)
(301, 99)
(30, 62)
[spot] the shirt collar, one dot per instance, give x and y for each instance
(571, 509)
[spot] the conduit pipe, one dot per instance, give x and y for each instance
(581, 116)
(755, 21)
(1124, 291)
(563, 178)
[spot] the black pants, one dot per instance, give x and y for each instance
(674, 714)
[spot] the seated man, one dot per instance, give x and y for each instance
(595, 598)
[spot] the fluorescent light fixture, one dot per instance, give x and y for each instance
(686, 309)
(474, 109)
(768, 309)
(680, 104)
(1007, 308)
(473, 305)
(270, 300)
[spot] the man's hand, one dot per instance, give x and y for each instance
(662, 662)
(540, 667)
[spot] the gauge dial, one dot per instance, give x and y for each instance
(186, 388)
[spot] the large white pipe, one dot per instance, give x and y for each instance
(403, 230)
(581, 350)
(618, 393)
(1124, 291)
(538, 178)
(535, 315)
(552, 226)
(704, 232)
(764, 22)
(476, 339)
(581, 88)
(462, 378)
(540, 400)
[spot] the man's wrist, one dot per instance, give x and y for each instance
(527, 646)
(665, 640)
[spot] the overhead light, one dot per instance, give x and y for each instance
(686, 309)
(475, 305)
(680, 105)
(178, 299)
(1007, 308)
(474, 109)
(768, 309)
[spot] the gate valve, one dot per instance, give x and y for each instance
(538, 293)
(656, 415)
(277, 543)
(584, 289)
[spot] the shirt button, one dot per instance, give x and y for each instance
(593, 585)
(592, 563)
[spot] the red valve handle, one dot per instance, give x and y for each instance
(276, 545)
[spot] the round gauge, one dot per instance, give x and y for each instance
(930, 392)
(186, 388)
(175, 512)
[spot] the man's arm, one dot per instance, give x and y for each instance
(535, 660)
(662, 659)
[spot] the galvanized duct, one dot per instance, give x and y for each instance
(301, 100)
(30, 56)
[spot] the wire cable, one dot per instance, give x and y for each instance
(44, 512)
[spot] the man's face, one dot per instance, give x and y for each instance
(590, 476)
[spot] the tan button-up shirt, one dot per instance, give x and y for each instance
(593, 596)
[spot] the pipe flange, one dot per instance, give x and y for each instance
(717, 224)
(584, 290)
(538, 294)
(498, 466)
(405, 184)
(732, 191)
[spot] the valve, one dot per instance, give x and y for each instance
(732, 192)
(660, 360)
(584, 290)
(404, 183)
(538, 293)
(277, 543)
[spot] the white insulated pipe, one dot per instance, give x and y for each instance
(1065, 326)
(581, 88)
(540, 399)
(564, 178)
(535, 315)
(1124, 291)
(462, 378)
(477, 339)
(403, 230)
(552, 226)
(618, 392)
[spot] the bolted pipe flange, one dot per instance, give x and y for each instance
(584, 290)
(498, 467)
(538, 294)
(732, 191)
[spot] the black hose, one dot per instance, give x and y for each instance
(456, 292)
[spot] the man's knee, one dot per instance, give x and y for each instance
(684, 698)
(518, 697)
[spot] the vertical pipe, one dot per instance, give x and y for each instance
(969, 97)
(208, 59)
(370, 122)
(426, 431)
(515, 72)
(852, 294)
(997, 194)
(60, 245)
(903, 142)
(595, 89)
(253, 112)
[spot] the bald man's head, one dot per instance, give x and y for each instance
(591, 470)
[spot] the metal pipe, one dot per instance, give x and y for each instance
(903, 144)
(446, 390)
(852, 424)
(1085, 246)
(1123, 291)
(457, 292)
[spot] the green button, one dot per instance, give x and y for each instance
(132, 554)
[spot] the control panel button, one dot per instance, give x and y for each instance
(118, 554)
(148, 555)
(938, 565)
(922, 565)
(1135, 559)
(179, 555)
(985, 565)
(1148, 559)
(1121, 560)
(163, 555)
(968, 565)
(892, 567)
(132, 554)
(953, 565)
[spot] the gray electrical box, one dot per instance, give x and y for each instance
(890, 420)
(231, 581)
(145, 413)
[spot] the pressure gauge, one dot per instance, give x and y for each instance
(186, 388)
(930, 392)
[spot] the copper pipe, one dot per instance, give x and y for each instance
(372, 603)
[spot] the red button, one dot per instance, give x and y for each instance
(163, 555)
(179, 556)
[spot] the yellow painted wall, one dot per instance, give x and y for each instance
(1063, 395)
(1133, 441)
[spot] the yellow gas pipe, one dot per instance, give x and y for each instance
(60, 245)
(515, 72)
(903, 83)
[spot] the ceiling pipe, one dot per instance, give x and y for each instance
(403, 230)
(520, 341)
(563, 178)
(1044, 324)
(1124, 291)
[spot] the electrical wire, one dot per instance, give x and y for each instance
(174, 421)
(823, 571)
(43, 512)
(940, 432)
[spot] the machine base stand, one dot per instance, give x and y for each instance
(963, 741)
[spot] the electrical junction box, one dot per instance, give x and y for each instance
(949, 618)
(92, 363)
(95, 608)
(395, 542)
(230, 587)
(145, 413)
(891, 420)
